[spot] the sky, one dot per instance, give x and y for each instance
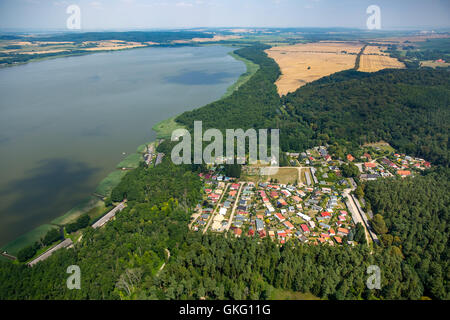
(174, 14)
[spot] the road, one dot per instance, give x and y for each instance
(49, 252)
(108, 216)
(356, 216)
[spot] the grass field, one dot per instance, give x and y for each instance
(131, 161)
(280, 294)
(27, 239)
(434, 64)
(284, 175)
(106, 185)
(251, 70)
(165, 128)
(304, 63)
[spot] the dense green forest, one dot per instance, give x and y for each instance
(414, 217)
(407, 108)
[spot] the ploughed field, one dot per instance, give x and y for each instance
(304, 63)
(374, 59)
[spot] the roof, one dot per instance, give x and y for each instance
(304, 228)
(403, 172)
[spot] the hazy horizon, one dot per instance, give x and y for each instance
(102, 15)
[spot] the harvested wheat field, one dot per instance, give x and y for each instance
(303, 63)
(371, 61)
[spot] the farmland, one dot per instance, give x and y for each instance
(373, 60)
(304, 63)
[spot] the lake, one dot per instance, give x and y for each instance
(65, 123)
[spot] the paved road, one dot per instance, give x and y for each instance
(50, 251)
(108, 216)
(356, 216)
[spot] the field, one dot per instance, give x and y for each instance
(373, 60)
(434, 64)
(280, 294)
(304, 63)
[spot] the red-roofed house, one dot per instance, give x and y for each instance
(279, 216)
(325, 214)
(304, 228)
(288, 225)
(404, 173)
(350, 157)
(342, 231)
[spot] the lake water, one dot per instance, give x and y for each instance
(64, 123)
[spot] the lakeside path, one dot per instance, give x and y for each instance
(101, 222)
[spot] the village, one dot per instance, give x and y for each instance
(310, 202)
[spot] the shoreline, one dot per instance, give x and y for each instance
(163, 130)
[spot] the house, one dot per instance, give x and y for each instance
(325, 215)
(324, 226)
(259, 225)
(338, 239)
(223, 211)
(281, 234)
(305, 228)
(342, 231)
(286, 193)
(296, 198)
(238, 232)
(404, 173)
(331, 232)
(288, 225)
(312, 224)
(304, 216)
(368, 165)
(350, 157)
(280, 217)
(234, 186)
